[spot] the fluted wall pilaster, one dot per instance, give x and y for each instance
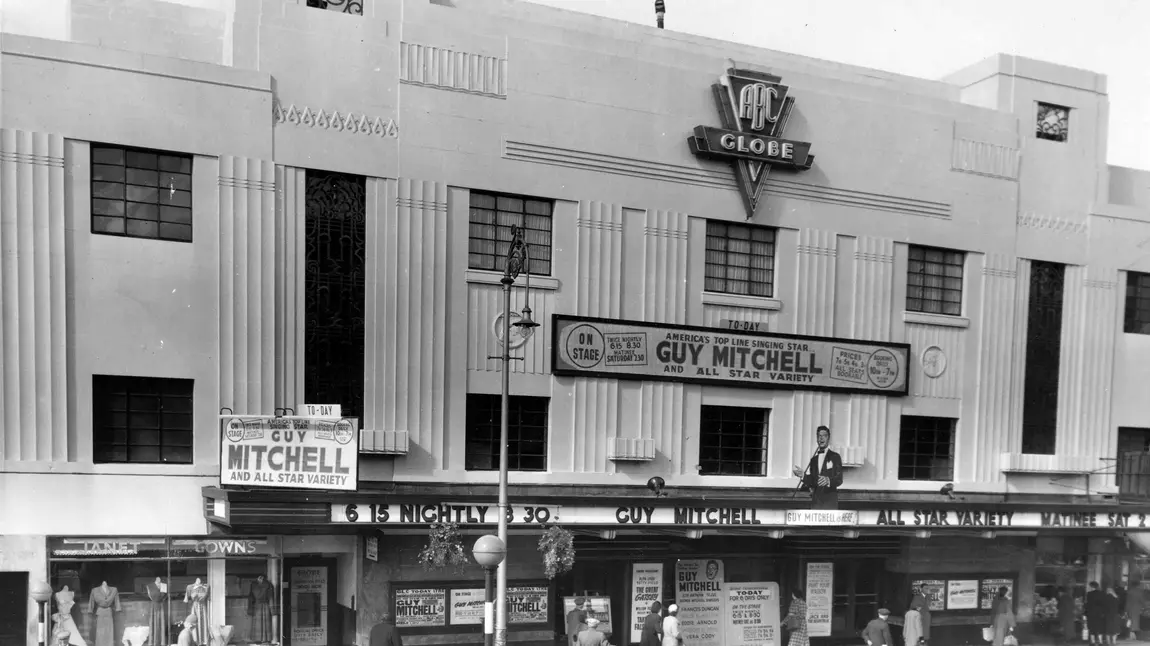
(815, 293)
(1093, 435)
(1071, 379)
(33, 347)
(665, 267)
(1012, 439)
(247, 285)
(809, 410)
(873, 289)
(596, 422)
(407, 310)
(990, 434)
(600, 248)
(290, 227)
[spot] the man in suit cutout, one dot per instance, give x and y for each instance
(824, 475)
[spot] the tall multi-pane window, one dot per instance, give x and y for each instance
(1043, 357)
(141, 419)
(489, 237)
(141, 193)
(740, 259)
(1137, 303)
(934, 280)
(926, 448)
(733, 441)
(526, 433)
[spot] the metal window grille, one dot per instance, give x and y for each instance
(341, 6)
(526, 433)
(1137, 303)
(1053, 122)
(733, 441)
(926, 448)
(141, 193)
(934, 281)
(492, 217)
(740, 259)
(142, 419)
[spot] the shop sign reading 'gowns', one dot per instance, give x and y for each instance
(289, 452)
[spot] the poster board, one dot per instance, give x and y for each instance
(646, 587)
(989, 590)
(434, 607)
(699, 594)
(420, 607)
(934, 590)
(751, 614)
(598, 607)
(962, 594)
(820, 598)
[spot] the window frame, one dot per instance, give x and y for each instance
(923, 300)
(157, 387)
(160, 205)
(726, 251)
(531, 246)
(913, 466)
(716, 432)
(515, 428)
(1039, 134)
(1136, 281)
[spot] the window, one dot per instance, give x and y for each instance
(1053, 121)
(733, 441)
(526, 433)
(141, 419)
(1043, 358)
(141, 193)
(740, 259)
(934, 281)
(491, 219)
(926, 448)
(1137, 303)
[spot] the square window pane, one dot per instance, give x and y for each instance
(107, 190)
(138, 159)
(142, 211)
(143, 228)
(107, 173)
(102, 224)
(176, 164)
(143, 194)
(175, 198)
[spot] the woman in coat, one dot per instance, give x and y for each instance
(796, 619)
(1002, 616)
(1113, 616)
(671, 636)
(912, 625)
(1096, 614)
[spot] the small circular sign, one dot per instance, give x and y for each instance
(585, 346)
(344, 431)
(234, 430)
(933, 362)
(882, 368)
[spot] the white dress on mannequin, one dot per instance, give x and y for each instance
(65, 599)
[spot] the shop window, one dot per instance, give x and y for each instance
(1043, 356)
(526, 433)
(141, 193)
(1053, 122)
(733, 441)
(934, 280)
(141, 419)
(492, 217)
(926, 448)
(740, 259)
(1137, 303)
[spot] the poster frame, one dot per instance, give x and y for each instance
(979, 576)
(447, 585)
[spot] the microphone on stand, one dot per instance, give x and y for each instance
(804, 476)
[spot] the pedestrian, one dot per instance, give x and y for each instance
(653, 626)
(796, 619)
(590, 635)
(912, 625)
(188, 636)
(576, 620)
(1067, 613)
(877, 632)
(1002, 616)
(384, 633)
(923, 609)
(1095, 613)
(671, 635)
(1134, 608)
(1113, 616)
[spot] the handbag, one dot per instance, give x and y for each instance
(1010, 640)
(988, 633)
(791, 622)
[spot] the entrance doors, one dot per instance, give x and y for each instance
(13, 607)
(310, 614)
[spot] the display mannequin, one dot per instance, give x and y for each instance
(158, 618)
(103, 601)
(196, 594)
(65, 599)
(260, 597)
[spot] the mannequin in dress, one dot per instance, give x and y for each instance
(196, 594)
(65, 599)
(102, 602)
(158, 617)
(260, 597)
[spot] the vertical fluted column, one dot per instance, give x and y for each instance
(1094, 435)
(600, 247)
(290, 223)
(247, 285)
(1071, 363)
(870, 320)
(665, 267)
(989, 436)
(815, 309)
(33, 361)
(1012, 433)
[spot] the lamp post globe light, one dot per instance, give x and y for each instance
(489, 552)
(518, 259)
(41, 592)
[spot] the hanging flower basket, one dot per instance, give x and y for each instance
(444, 549)
(558, 548)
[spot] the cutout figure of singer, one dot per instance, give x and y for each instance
(824, 475)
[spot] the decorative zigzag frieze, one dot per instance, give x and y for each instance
(349, 122)
(1051, 223)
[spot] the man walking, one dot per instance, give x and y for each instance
(824, 474)
(385, 633)
(576, 621)
(877, 632)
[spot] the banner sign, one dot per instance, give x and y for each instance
(646, 587)
(699, 594)
(752, 614)
(420, 607)
(820, 598)
(289, 452)
(973, 518)
(587, 347)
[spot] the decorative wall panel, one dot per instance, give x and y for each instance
(33, 346)
(248, 285)
(1092, 311)
(873, 289)
(947, 347)
(595, 425)
(451, 70)
(600, 260)
(868, 431)
(291, 198)
(407, 309)
(665, 267)
(983, 158)
(811, 410)
(996, 415)
(662, 410)
(484, 305)
(815, 293)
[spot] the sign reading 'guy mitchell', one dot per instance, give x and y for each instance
(289, 452)
(652, 351)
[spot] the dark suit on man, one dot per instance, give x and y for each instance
(877, 633)
(384, 634)
(652, 630)
(824, 497)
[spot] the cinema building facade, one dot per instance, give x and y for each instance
(729, 247)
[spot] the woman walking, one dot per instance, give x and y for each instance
(1113, 616)
(796, 619)
(1002, 616)
(912, 625)
(671, 636)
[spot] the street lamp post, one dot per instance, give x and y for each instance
(489, 552)
(41, 592)
(518, 259)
